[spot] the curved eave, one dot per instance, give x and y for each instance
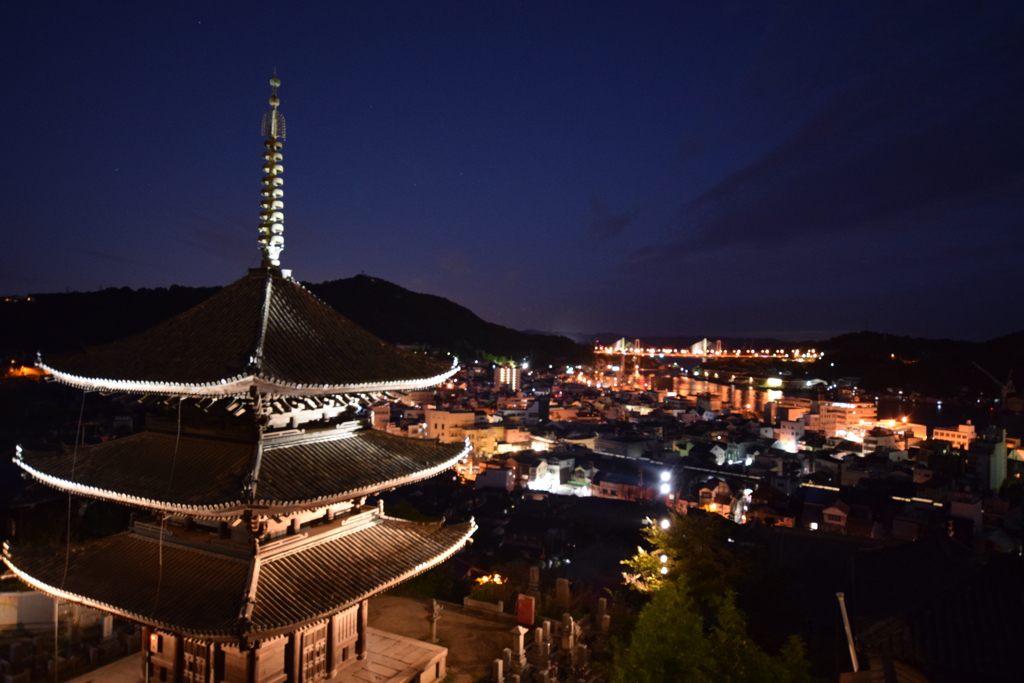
(224, 635)
(230, 509)
(218, 635)
(405, 576)
(274, 507)
(240, 385)
(236, 508)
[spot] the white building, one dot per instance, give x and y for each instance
(960, 436)
(836, 417)
(448, 426)
(508, 376)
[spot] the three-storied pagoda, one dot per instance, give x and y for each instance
(260, 552)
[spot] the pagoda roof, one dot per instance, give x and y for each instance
(286, 584)
(211, 477)
(266, 331)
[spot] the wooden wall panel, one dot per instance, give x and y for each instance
(270, 656)
(236, 665)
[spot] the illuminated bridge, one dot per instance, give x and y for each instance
(705, 349)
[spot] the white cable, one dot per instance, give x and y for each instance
(74, 461)
(163, 520)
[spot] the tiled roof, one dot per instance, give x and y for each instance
(265, 330)
(306, 585)
(370, 460)
(155, 583)
(122, 573)
(207, 475)
(144, 467)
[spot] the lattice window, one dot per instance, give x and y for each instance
(314, 654)
(346, 626)
(196, 654)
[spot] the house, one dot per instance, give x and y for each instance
(625, 480)
(496, 477)
(835, 515)
(715, 495)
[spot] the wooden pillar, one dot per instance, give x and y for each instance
(212, 654)
(332, 642)
(254, 664)
(295, 648)
(364, 613)
(179, 660)
(144, 651)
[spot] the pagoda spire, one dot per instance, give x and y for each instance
(271, 239)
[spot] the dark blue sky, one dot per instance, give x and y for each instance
(721, 168)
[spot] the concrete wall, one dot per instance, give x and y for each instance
(26, 609)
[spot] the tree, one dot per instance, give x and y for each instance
(649, 571)
(671, 644)
(702, 549)
(697, 547)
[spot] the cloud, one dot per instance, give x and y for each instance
(926, 143)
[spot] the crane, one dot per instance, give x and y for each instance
(1007, 388)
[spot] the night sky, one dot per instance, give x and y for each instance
(794, 169)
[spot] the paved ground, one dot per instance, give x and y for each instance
(125, 670)
(473, 641)
(391, 657)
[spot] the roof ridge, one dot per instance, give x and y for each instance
(256, 361)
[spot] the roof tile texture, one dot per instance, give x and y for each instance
(194, 471)
(134, 575)
(306, 342)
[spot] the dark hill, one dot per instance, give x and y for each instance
(404, 317)
(937, 368)
(69, 322)
(934, 367)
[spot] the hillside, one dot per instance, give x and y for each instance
(933, 367)
(69, 322)
(938, 368)
(404, 317)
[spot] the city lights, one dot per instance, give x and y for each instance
(496, 579)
